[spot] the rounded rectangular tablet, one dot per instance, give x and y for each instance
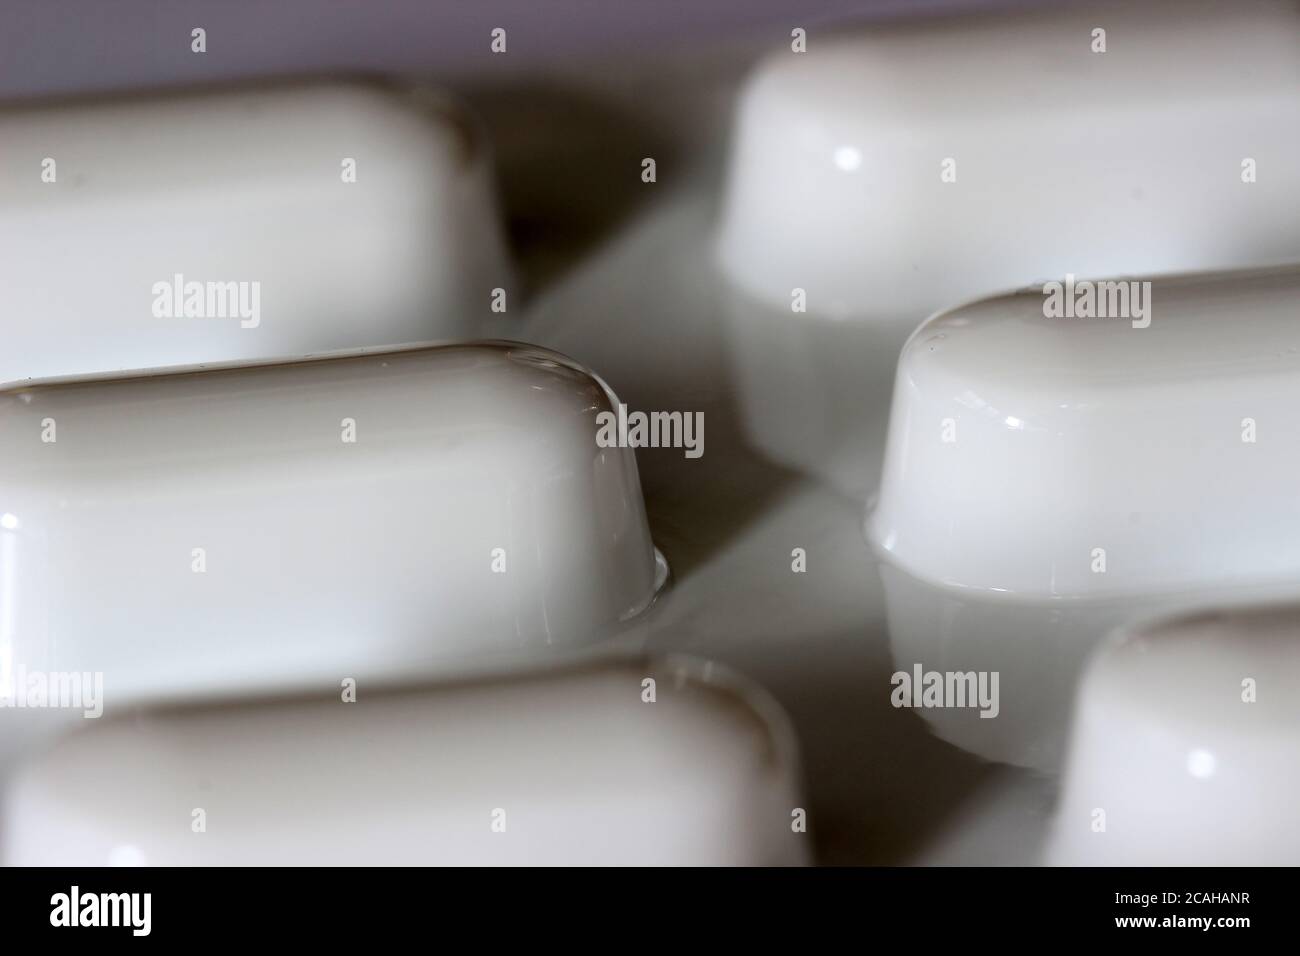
(1184, 749)
(373, 513)
(915, 166)
(648, 762)
(240, 223)
(1054, 470)
(1024, 439)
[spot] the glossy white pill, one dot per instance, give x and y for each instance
(1049, 477)
(1184, 749)
(913, 167)
(275, 525)
(1022, 442)
(642, 762)
(253, 222)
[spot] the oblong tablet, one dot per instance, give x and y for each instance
(621, 762)
(875, 179)
(1184, 749)
(1050, 476)
(253, 222)
(365, 514)
(1023, 441)
(896, 172)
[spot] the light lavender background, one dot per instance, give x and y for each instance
(66, 46)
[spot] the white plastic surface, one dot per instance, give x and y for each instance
(639, 300)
